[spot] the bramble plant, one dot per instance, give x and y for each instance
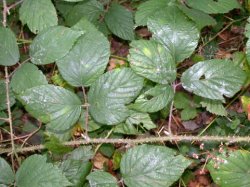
(61, 86)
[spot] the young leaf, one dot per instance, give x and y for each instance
(232, 170)
(154, 99)
(88, 58)
(9, 52)
(38, 15)
(7, 176)
(109, 94)
(217, 80)
(147, 9)
(149, 165)
(214, 7)
(35, 171)
(214, 106)
(27, 76)
(52, 44)
(54, 105)
(101, 179)
(152, 61)
(3, 102)
(178, 34)
(137, 118)
(120, 21)
(91, 10)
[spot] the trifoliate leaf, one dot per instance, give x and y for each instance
(54, 105)
(137, 118)
(88, 58)
(52, 44)
(35, 171)
(38, 15)
(120, 22)
(9, 52)
(214, 107)
(149, 165)
(101, 179)
(111, 92)
(152, 61)
(7, 176)
(147, 9)
(211, 79)
(3, 101)
(27, 76)
(154, 99)
(178, 34)
(232, 170)
(214, 7)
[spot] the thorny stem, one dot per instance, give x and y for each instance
(106, 137)
(229, 139)
(86, 113)
(5, 11)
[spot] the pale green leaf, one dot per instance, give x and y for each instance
(152, 61)
(38, 14)
(137, 118)
(54, 105)
(213, 78)
(182, 100)
(35, 171)
(154, 99)
(178, 34)
(27, 76)
(232, 170)
(120, 21)
(88, 58)
(7, 176)
(9, 52)
(149, 165)
(3, 101)
(214, 107)
(91, 10)
(214, 7)
(147, 9)
(52, 44)
(111, 92)
(101, 179)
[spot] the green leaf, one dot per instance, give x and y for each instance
(54, 105)
(188, 113)
(109, 94)
(149, 165)
(54, 145)
(154, 99)
(91, 10)
(38, 15)
(128, 128)
(9, 52)
(73, 0)
(211, 79)
(120, 21)
(3, 115)
(83, 154)
(27, 76)
(214, 107)
(88, 58)
(143, 119)
(152, 61)
(214, 7)
(35, 171)
(147, 9)
(247, 34)
(232, 170)
(178, 34)
(245, 101)
(101, 179)
(52, 44)
(182, 100)
(200, 18)
(3, 102)
(7, 176)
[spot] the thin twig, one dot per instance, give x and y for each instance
(229, 139)
(5, 119)
(106, 137)
(5, 10)
(86, 113)
(32, 134)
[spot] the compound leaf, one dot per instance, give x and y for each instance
(9, 52)
(38, 15)
(152, 61)
(211, 79)
(54, 105)
(52, 44)
(149, 165)
(109, 94)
